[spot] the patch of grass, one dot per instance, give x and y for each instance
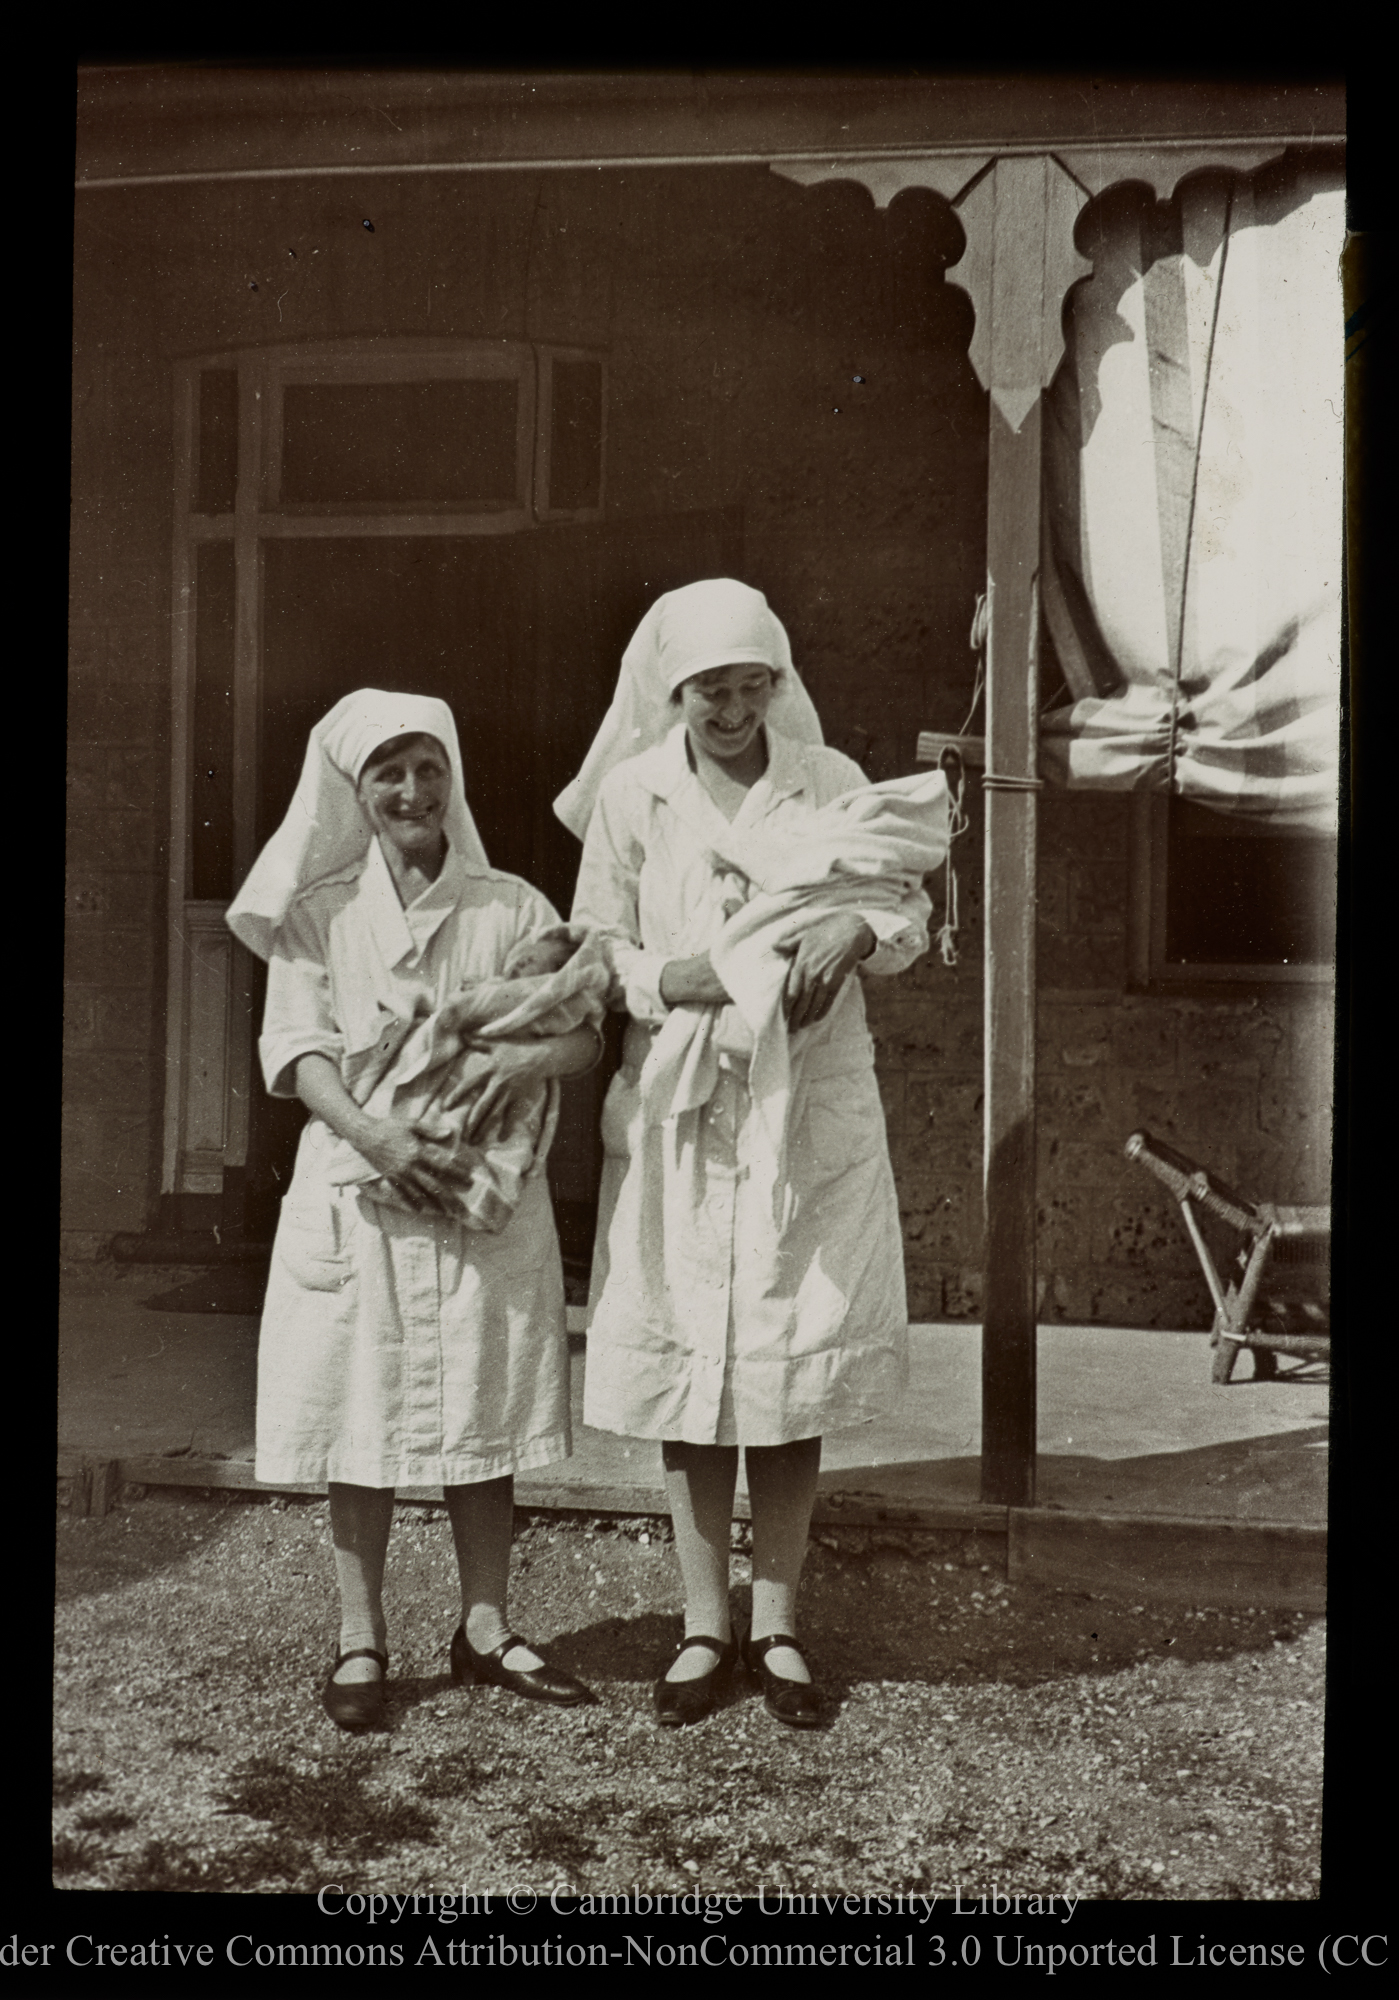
(104, 1822)
(329, 1808)
(662, 1829)
(454, 1776)
(159, 1866)
(767, 1783)
(757, 1867)
(558, 1837)
(73, 1857)
(70, 1785)
(563, 1836)
(287, 1863)
(253, 1865)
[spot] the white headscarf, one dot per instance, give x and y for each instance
(717, 623)
(325, 828)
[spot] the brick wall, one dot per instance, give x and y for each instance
(1243, 1083)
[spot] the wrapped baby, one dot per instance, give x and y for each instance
(432, 1070)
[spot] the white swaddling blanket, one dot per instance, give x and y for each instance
(868, 849)
(417, 1061)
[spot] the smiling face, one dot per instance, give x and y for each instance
(404, 789)
(725, 708)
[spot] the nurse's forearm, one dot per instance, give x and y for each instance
(572, 1054)
(319, 1087)
(693, 982)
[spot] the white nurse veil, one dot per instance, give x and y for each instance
(716, 623)
(325, 828)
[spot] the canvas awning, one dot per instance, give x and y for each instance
(1191, 558)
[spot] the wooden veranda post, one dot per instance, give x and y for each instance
(1017, 268)
(1018, 212)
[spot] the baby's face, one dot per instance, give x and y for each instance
(537, 956)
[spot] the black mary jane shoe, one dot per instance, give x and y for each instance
(682, 1702)
(544, 1683)
(796, 1703)
(356, 1704)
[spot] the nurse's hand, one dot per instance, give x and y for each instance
(409, 1161)
(509, 1075)
(404, 1154)
(518, 1070)
(822, 960)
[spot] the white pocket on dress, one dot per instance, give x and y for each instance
(315, 1236)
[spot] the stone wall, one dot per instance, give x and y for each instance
(118, 705)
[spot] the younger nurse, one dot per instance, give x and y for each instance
(722, 1320)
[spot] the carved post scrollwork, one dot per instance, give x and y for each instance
(1017, 269)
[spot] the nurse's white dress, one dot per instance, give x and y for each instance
(717, 1316)
(400, 1350)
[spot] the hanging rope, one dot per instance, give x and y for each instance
(951, 765)
(981, 623)
(1194, 488)
(952, 768)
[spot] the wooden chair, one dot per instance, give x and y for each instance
(1279, 1303)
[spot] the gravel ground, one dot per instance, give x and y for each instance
(978, 1733)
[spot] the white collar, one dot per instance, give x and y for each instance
(665, 770)
(403, 932)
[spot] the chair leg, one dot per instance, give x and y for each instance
(1225, 1355)
(1265, 1364)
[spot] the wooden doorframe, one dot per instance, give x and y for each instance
(208, 1082)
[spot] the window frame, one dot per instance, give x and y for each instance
(351, 362)
(1149, 969)
(544, 509)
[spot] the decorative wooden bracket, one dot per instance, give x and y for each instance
(1017, 268)
(1161, 164)
(945, 173)
(1162, 167)
(1019, 212)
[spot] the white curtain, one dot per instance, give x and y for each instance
(1191, 572)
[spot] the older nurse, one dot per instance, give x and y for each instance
(721, 1319)
(398, 1346)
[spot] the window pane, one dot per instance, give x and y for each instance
(211, 802)
(1246, 898)
(399, 443)
(575, 441)
(218, 441)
